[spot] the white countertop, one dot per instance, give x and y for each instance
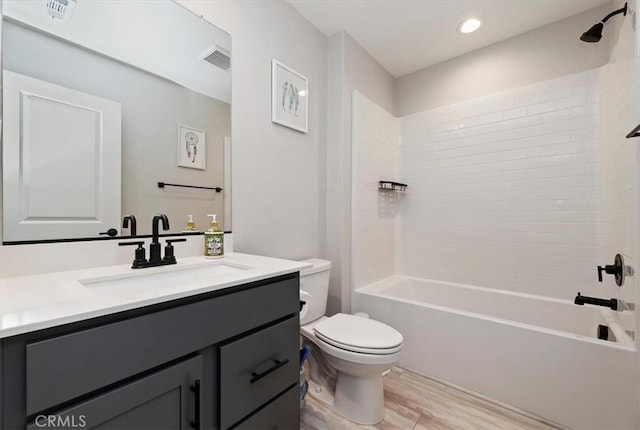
(35, 302)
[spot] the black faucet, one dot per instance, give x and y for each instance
(130, 219)
(155, 256)
(609, 303)
(154, 249)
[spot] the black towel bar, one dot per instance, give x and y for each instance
(165, 184)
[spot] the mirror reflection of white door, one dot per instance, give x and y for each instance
(61, 161)
(226, 182)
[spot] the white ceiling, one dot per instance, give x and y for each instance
(408, 35)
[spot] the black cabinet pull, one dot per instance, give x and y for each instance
(277, 364)
(111, 232)
(195, 424)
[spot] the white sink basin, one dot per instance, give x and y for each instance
(167, 276)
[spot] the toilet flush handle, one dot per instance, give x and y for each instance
(304, 299)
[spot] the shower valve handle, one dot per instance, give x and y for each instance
(609, 269)
(616, 269)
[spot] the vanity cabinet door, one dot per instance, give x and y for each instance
(166, 399)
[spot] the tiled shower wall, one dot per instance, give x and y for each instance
(505, 190)
(376, 134)
(619, 98)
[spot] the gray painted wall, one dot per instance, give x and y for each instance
(350, 68)
(545, 53)
(278, 174)
(152, 107)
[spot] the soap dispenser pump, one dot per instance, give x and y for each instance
(191, 225)
(213, 240)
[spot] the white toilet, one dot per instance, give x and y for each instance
(348, 353)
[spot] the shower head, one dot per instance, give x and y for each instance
(594, 34)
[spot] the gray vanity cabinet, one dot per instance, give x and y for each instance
(167, 399)
(218, 360)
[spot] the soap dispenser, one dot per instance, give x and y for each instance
(191, 225)
(213, 240)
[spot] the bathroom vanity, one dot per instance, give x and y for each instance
(221, 353)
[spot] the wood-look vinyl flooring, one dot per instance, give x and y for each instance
(413, 402)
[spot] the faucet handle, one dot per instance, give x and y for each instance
(137, 242)
(169, 241)
(168, 249)
(140, 256)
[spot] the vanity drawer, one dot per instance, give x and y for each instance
(282, 414)
(257, 368)
(64, 367)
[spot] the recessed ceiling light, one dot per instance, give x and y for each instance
(470, 25)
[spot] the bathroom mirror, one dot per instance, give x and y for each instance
(104, 100)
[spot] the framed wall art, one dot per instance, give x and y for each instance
(192, 147)
(289, 97)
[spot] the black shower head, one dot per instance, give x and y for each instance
(594, 34)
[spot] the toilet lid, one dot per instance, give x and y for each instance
(359, 334)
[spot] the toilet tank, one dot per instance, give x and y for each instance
(315, 281)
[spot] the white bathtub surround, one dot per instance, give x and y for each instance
(523, 310)
(526, 190)
(504, 190)
(376, 136)
(618, 172)
(520, 195)
(536, 354)
(39, 301)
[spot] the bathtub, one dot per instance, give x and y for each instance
(535, 354)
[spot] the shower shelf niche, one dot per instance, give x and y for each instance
(391, 186)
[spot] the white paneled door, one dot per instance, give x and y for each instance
(61, 161)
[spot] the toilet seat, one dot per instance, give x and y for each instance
(329, 350)
(357, 334)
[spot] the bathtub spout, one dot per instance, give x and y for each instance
(609, 303)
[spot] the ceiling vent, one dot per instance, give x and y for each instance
(60, 9)
(218, 57)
